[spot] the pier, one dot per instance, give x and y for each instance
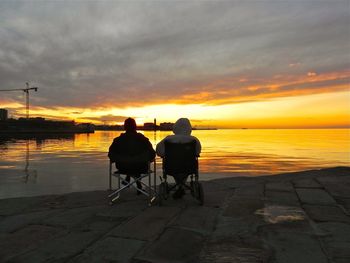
(295, 217)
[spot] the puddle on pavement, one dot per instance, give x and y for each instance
(276, 214)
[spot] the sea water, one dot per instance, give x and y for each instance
(71, 163)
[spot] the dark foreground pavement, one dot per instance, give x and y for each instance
(297, 217)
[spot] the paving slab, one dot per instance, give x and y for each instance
(73, 216)
(25, 239)
(43, 203)
(123, 209)
(81, 199)
(282, 198)
(338, 249)
(211, 186)
(306, 183)
(239, 207)
(236, 182)
(227, 251)
(98, 226)
(228, 227)
(337, 240)
(11, 223)
(71, 200)
(256, 190)
(216, 198)
(344, 202)
(322, 213)
(110, 249)
(17, 205)
(199, 219)
(59, 249)
(147, 225)
(335, 178)
(279, 186)
(291, 247)
(315, 197)
(336, 189)
(239, 218)
(341, 260)
(174, 246)
(336, 231)
(241, 221)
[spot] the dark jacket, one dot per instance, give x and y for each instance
(131, 152)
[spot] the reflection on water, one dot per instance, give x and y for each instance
(30, 175)
(50, 165)
(277, 214)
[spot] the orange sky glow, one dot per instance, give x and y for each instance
(204, 60)
(325, 110)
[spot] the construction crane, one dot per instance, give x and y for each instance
(26, 91)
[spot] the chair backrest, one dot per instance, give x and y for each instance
(135, 164)
(180, 158)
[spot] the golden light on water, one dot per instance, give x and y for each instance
(252, 151)
(79, 162)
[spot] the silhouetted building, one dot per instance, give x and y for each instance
(3, 114)
(86, 126)
(166, 126)
(149, 126)
(40, 125)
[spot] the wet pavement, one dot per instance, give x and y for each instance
(296, 217)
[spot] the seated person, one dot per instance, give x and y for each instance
(131, 152)
(182, 134)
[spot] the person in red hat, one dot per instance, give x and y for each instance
(131, 152)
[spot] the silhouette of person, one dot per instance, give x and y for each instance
(131, 152)
(182, 134)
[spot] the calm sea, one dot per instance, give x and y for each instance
(79, 162)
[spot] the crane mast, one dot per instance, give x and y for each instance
(26, 91)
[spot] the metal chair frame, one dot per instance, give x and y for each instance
(150, 190)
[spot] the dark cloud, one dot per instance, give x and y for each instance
(124, 53)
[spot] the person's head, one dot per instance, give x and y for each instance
(129, 125)
(182, 127)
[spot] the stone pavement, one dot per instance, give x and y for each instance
(296, 217)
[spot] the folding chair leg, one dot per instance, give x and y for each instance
(115, 198)
(148, 190)
(118, 191)
(110, 176)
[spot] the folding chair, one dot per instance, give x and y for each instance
(180, 161)
(121, 174)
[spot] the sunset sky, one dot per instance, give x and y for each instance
(232, 64)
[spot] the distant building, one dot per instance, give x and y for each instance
(166, 126)
(149, 126)
(3, 114)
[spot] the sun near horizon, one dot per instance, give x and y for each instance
(328, 110)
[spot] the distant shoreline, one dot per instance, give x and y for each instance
(145, 129)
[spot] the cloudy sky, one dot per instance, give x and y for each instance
(219, 63)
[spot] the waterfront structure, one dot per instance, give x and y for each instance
(3, 114)
(166, 126)
(41, 125)
(149, 126)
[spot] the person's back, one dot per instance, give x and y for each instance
(131, 151)
(182, 134)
